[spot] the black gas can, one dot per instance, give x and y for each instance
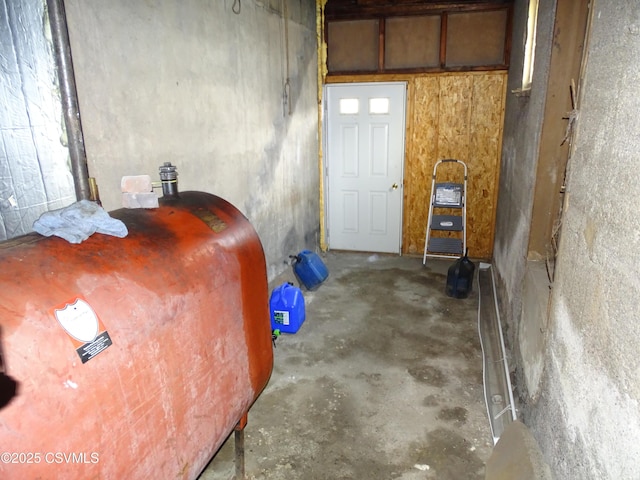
(460, 277)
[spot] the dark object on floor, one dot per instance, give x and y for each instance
(309, 269)
(460, 277)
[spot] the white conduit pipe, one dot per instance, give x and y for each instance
(511, 405)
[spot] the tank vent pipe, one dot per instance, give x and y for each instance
(69, 97)
(169, 179)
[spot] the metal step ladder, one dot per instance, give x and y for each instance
(447, 213)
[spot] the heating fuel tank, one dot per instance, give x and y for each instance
(135, 357)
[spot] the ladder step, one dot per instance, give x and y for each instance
(443, 205)
(449, 195)
(447, 222)
(445, 245)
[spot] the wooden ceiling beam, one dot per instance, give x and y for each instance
(357, 9)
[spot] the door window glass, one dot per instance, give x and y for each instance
(378, 106)
(349, 106)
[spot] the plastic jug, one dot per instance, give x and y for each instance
(310, 269)
(460, 277)
(287, 308)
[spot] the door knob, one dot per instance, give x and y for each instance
(394, 186)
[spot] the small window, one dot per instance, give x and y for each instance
(378, 106)
(349, 106)
(530, 45)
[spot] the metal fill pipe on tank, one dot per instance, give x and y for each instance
(71, 111)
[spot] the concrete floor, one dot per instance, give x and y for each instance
(382, 381)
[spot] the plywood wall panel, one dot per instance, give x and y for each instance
(455, 116)
(485, 147)
(421, 149)
(453, 119)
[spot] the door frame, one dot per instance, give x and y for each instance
(325, 187)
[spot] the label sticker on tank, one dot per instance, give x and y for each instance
(84, 328)
(281, 317)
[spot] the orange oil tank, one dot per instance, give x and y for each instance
(136, 357)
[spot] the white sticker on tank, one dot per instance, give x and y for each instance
(79, 320)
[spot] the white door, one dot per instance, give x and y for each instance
(365, 157)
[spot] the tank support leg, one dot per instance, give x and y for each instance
(239, 446)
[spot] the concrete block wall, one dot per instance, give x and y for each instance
(585, 412)
(197, 85)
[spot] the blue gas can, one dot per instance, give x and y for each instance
(287, 308)
(310, 269)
